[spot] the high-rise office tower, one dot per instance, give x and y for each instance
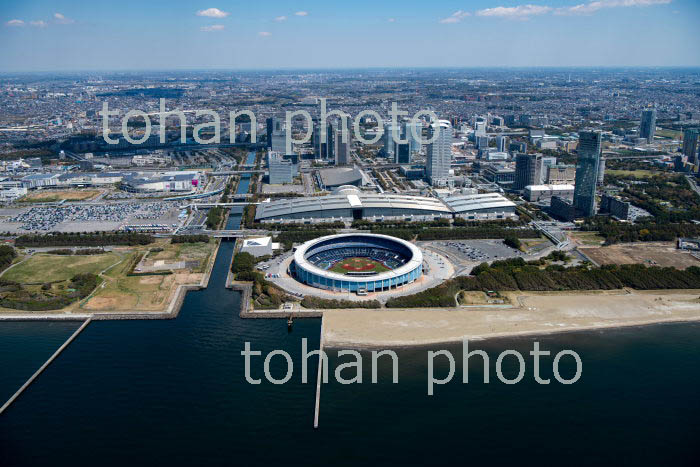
(276, 135)
(412, 131)
(647, 126)
(587, 172)
(479, 127)
(439, 153)
(388, 139)
(281, 169)
(690, 145)
(502, 143)
(528, 170)
(341, 149)
(402, 152)
(481, 142)
(274, 125)
(324, 145)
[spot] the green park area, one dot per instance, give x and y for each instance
(104, 281)
(42, 268)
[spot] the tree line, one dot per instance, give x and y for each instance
(265, 294)
(616, 232)
(214, 217)
(458, 233)
(189, 238)
(516, 274)
(7, 255)
(84, 239)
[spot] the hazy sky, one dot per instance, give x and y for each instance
(177, 34)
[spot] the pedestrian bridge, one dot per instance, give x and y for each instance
(236, 233)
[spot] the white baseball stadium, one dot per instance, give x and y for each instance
(357, 262)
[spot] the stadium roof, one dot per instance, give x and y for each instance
(414, 261)
(469, 203)
(350, 200)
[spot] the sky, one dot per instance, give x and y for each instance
(73, 35)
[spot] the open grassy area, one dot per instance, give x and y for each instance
(663, 254)
(149, 292)
(185, 252)
(634, 173)
(358, 265)
(48, 268)
(668, 133)
(587, 238)
(51, 196)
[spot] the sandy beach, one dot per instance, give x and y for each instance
(533, 314)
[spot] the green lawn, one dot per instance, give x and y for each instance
(634, 173)
(360, 263)
(587, 238)
(49, 268)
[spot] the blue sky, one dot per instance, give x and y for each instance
(177, 34)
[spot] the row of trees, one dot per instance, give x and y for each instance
(517, 275)
(7, 255)
(190, 238)
(214, 217)
(265, 294)
(84, 239)
(289, 237)
(81, 251)
(458, 233)
(615, 232)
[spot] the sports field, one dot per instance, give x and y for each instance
(357, 264)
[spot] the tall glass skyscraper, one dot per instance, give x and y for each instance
(587, 172)
(414, 140)
(647, 126)
(690, 145)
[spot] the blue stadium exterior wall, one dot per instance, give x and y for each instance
(309, 274)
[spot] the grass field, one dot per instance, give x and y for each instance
(48, 268)
(149, 293)
(668, 133)
(358, 265)
(587, 238)
(663, 254)
(634, 173)
(51, 196)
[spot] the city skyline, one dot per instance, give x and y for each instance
(66, 36)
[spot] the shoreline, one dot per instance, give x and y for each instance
(417, 345)
(538, 314)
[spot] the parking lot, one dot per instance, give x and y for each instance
(90, 217)
(465, 254)
(475, 250)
